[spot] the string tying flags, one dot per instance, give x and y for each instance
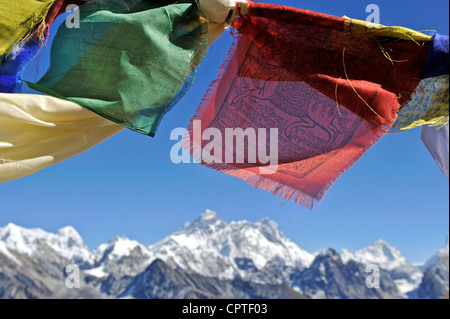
(304, 95)
(18, 19)
(328, 91)
(58, 7)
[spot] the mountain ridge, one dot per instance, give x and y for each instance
(208, 251)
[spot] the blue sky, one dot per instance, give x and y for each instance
(128, 185)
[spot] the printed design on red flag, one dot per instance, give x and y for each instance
(330, 96)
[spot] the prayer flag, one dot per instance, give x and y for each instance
(328, 90)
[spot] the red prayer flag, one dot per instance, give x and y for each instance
(329, 95)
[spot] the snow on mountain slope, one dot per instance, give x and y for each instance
(211, 247)
(120, 256)
(66, 242)
(435, 283)
(235, 254)
(5, 251)
(330, 278)
(406, 276)
(380, 253)
(117, 248)
(436, 258)
(406, 285)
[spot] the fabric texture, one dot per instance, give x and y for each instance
(438, 58)
(13, 64)
(437, 142)
(18, 19)
(430, 103)
(217, 10)
(355, 26)
(37, 131)
(329, 94)
(12, 67)
(129, 60)
(58, 7)
(428, 106)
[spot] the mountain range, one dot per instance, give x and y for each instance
(209, 258)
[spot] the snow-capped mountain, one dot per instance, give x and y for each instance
(33, 263)
(433, 261)
(118, 248)
(162, 281)
(207, 258)
(380, 253)
(120, 256)
(407, 276)
(66, 242)
(214, 248)
(7, 253)
(435, 281)
(330, 278)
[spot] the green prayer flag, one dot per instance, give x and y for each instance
(129, 61)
